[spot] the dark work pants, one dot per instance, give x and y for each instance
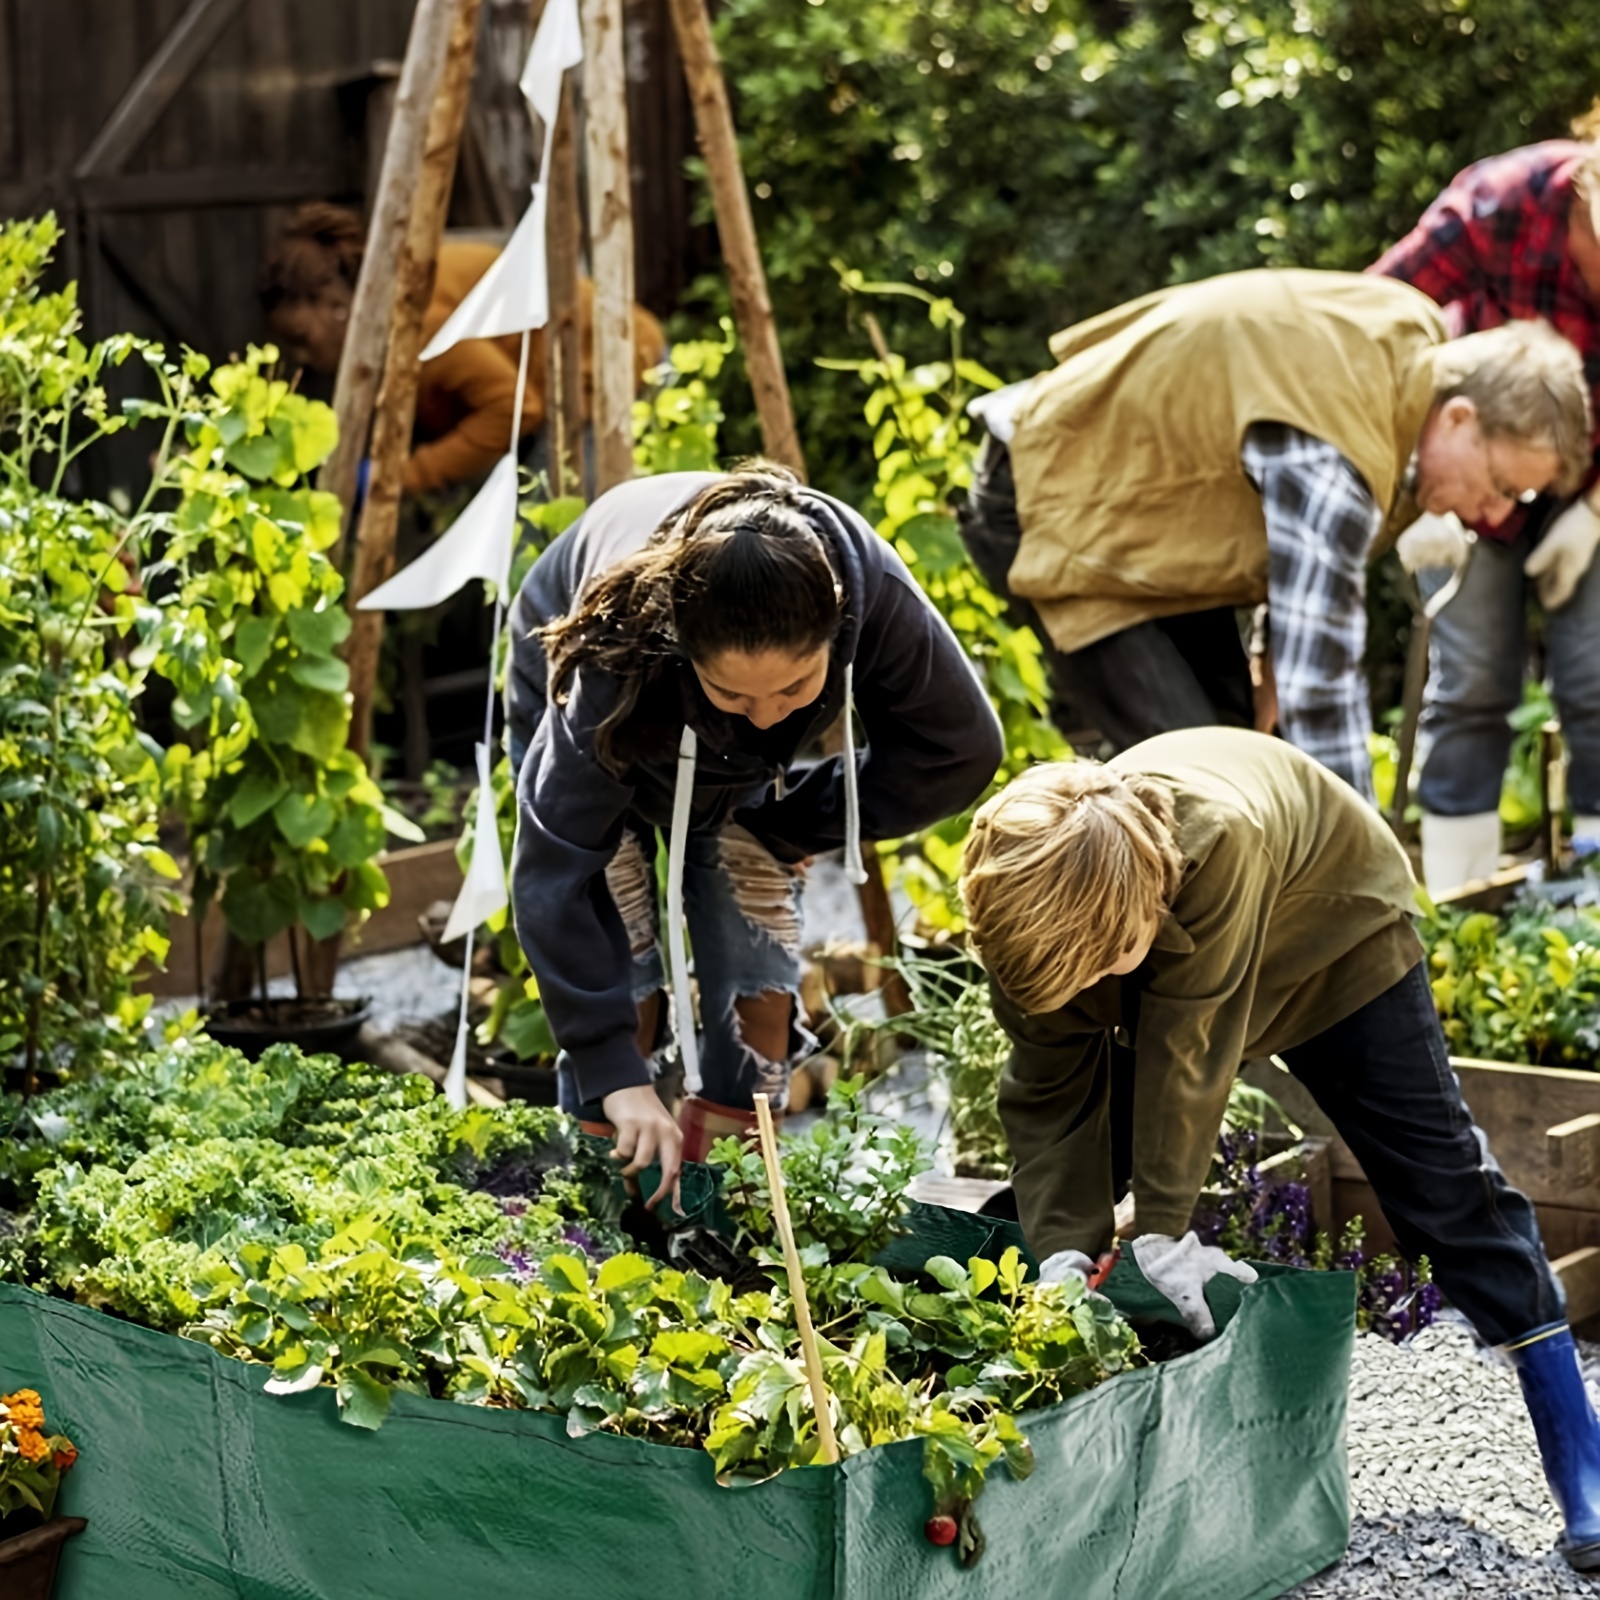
(1188, 671)
(1384, 1078)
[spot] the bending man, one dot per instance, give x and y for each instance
(1255, 437)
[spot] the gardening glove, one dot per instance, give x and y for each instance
(997, 411)
(1181, 1269)
(1064, 1264)
(1433, 541)
(1562, 557)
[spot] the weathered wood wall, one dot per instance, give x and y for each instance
(170, 244)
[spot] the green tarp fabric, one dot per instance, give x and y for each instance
(1216, 1476)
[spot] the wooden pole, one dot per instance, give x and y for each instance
(797, 1283)
(605, 106)
(563, 348)
(397, 398)
(361, 363)
(747, 279)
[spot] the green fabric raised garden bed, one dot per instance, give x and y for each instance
(1219, 1475)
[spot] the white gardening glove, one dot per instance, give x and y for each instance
(1562, 557)
(1433, 541)
(1181, 1269)
(1064, 1264)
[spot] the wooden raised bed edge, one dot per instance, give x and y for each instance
(418, 876)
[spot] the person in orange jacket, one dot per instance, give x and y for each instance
(466, 397)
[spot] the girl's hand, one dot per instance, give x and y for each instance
(646, 1133)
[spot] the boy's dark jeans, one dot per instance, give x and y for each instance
(1384, 1078)
(1187, 671)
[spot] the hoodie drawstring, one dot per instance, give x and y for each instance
(853, 868)
(677, 846)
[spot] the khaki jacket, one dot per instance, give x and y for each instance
(467, 397)
(1133, 501)
(1292, 915)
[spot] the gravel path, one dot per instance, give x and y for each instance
(1447, 1496)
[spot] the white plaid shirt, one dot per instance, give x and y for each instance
(1321, 524)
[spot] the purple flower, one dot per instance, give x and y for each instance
(523, 1267)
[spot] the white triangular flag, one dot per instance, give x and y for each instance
(512, 296)
(556, 46)
(484, 892)
(478, 544)
(455, 1079)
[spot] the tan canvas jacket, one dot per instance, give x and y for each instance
(1132, 498)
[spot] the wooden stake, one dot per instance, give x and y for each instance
(563, 348)
(797, 1283)
(605, 105)
(397, 398)
(747, 280)
(361, 363)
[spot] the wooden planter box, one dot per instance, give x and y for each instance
(1543, 1125)
(417, 877)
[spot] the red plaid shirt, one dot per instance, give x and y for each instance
(1493, 248)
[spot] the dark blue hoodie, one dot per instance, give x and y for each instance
(932, 745)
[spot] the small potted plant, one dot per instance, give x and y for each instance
(285, 823)
(31, 1465)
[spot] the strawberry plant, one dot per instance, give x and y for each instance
(348, 1229)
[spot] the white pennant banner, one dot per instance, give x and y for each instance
(478, 544)
(484, 892)
(556, 46)
(513, 295)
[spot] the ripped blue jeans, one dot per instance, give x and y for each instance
(742, 907)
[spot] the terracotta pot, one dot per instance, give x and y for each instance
(28, 1561)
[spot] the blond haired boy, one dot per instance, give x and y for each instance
(1208, 896)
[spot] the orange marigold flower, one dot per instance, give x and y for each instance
(25, 1408)
(32, 1444)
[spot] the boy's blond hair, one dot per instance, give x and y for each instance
(1063, 870)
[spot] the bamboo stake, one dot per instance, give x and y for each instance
(397, 398)
(797, 1283)
(605, 103)
(747, 279)
(371, 311)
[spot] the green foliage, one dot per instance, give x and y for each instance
(1042, 160)
(84, 883)
(1520, 987)
(952, 1020)
(848, 1179)
(675, 425)
(152, 1191)
(283, 819)
(924, 444)
(350, 1230)
(1522, 790)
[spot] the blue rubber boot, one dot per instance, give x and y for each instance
(1569, 1439)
